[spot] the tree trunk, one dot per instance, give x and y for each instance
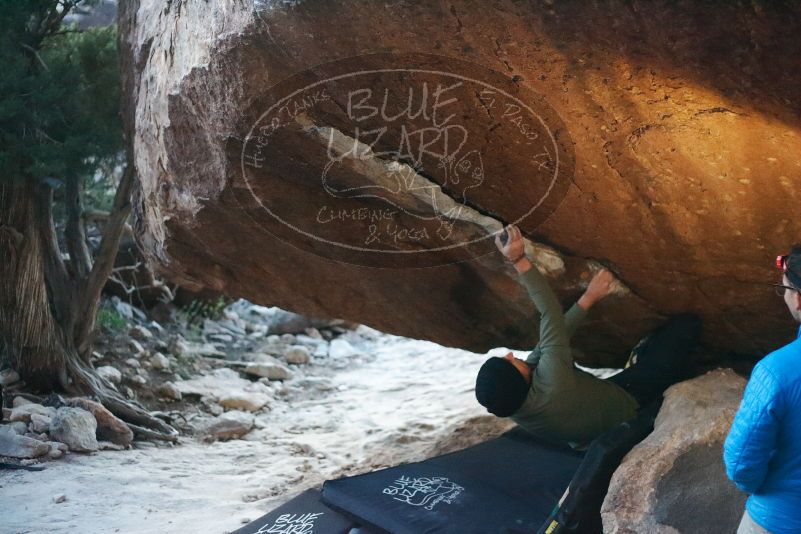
(44, 313)
(35, 289)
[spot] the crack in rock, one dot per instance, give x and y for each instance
(428, 195)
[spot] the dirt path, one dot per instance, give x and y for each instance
(409, 399)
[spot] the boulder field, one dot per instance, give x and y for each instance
(353, 159)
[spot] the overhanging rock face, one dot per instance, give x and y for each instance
(353, 159)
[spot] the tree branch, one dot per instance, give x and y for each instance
(55, 270)
(75, 231)
(97, 217)
(104, 262)
(35, 55)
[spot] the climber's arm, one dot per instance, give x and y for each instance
(599, 287)
(556, 362)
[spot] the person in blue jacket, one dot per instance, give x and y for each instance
(763, 449)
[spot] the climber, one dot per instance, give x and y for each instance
(762, 452)
(546, 395)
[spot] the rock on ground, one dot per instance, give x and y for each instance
(141, 333)
(674, 480)
(23, 412)
(168, 390)
(341, 348)
(40, 423)
(298, 355)
(76, 428)
(230, 425)
(651, 122)
(110, 373)
(14, 445)
(160, 361)
(271, 371)
(109, 427)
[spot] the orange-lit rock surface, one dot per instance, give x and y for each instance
(670, 129)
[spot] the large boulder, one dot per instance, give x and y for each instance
(661, 138)
(674, 480)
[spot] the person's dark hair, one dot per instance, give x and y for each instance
(500, 387)
(794, 266)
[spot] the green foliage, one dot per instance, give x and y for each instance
(200, 309)
(59, 95)
(110, 319)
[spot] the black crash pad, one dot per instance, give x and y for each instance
(509, 484)
(305, 514)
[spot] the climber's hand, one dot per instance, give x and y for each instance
(600, 286)
(514, 248)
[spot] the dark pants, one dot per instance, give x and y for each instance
(661, 359)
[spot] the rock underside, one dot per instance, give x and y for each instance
(659, 138)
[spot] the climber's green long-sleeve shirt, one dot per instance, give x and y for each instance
(564, 403)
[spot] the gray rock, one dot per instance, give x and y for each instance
(137, 348)
(156, 326)
(230, 425)
(126, 310)
(112, 374)
(40, 423)
(17, 426)
(8, 377)
(19, 401)
(160, 361)
(271, 371)
(59, 498)
(179, 347)
(14, 445)
(109, 426)
(138, 380)
(340, 348)
(24, 412)
(76, 428)
(674, 480)
(168, 390)
(141, 333)
(133, 362)
(298, 355)
(314, 333)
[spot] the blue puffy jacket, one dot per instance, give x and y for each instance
(763, 449)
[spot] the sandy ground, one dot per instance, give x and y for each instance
(404, 401)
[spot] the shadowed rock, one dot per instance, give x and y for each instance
(674, 480)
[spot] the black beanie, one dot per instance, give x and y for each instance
(500, 387)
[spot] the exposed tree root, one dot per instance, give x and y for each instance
(85, 381)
